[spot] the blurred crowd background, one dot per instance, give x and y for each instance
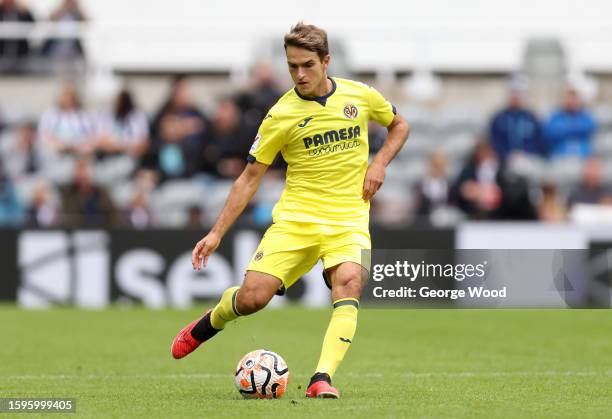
(143, 149)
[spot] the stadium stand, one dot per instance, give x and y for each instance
(167, 149)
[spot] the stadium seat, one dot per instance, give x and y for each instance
(528, 166)
(113, 170)
(122, 193)
(417, 145)
(564, 172)
(602, 143)
(170, 203)
(393, 202)
(269, 191)
(458, 144)
(607, 169)
(460, 118)
(58, 169)
(544, 58)
(214, 199)
(603, 116)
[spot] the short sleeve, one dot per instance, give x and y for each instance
(47, 121)
(268, 142)
(381, 110)
(140, 127)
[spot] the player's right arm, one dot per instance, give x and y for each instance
(241, 193)
(268, 142)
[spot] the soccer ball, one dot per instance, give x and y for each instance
(262, 374)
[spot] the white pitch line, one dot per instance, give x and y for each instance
(52, 377)
(507, 374)
(437, 374)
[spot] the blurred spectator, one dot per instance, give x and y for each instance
(516, 202)
(571, 128)
(11, 209)
(476, 191)
(178, 134)
(67, 127)
(591, 189)
(126, 130)
(42, 211)
(194, 217)
(19, 152)
(138, 214)
(550, 207)
(433, 190)
(84, 203)
(516, 129)
(231, 137)
(261, 95)
(376, 137)
(484, 190)
(255, 102)
(14, 52)
(146, 180)
(65, 49)
(261, 214)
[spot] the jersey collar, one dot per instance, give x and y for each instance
(321, 100)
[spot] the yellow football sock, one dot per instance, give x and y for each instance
(339, 335)
(225, 311)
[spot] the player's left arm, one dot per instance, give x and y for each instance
(396, 137)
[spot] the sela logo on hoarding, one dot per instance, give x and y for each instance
(59, 267)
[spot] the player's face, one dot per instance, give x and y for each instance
(308, 72)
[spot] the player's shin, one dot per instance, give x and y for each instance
(223, 313)
(339, 335)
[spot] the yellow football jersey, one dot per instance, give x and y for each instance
(324, 141)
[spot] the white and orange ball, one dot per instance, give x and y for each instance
(262, 374)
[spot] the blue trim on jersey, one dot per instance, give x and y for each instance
(251, 158)
(393, 109)
(321, 100)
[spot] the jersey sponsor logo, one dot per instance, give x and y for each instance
(333, 148)
(345, 340)
(258, 256)
(268, 116)
(350, 111)
(306, 121)
(255, 143)
(332, 136)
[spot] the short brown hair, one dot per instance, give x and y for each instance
(309, 37)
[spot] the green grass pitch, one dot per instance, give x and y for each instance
(403, 363)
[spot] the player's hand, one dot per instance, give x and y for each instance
(203, 249)
(374, 178)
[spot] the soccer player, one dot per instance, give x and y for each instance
(321, 129)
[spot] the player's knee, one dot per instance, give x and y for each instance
(348, 286)
(353, 287)
(249, 300)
